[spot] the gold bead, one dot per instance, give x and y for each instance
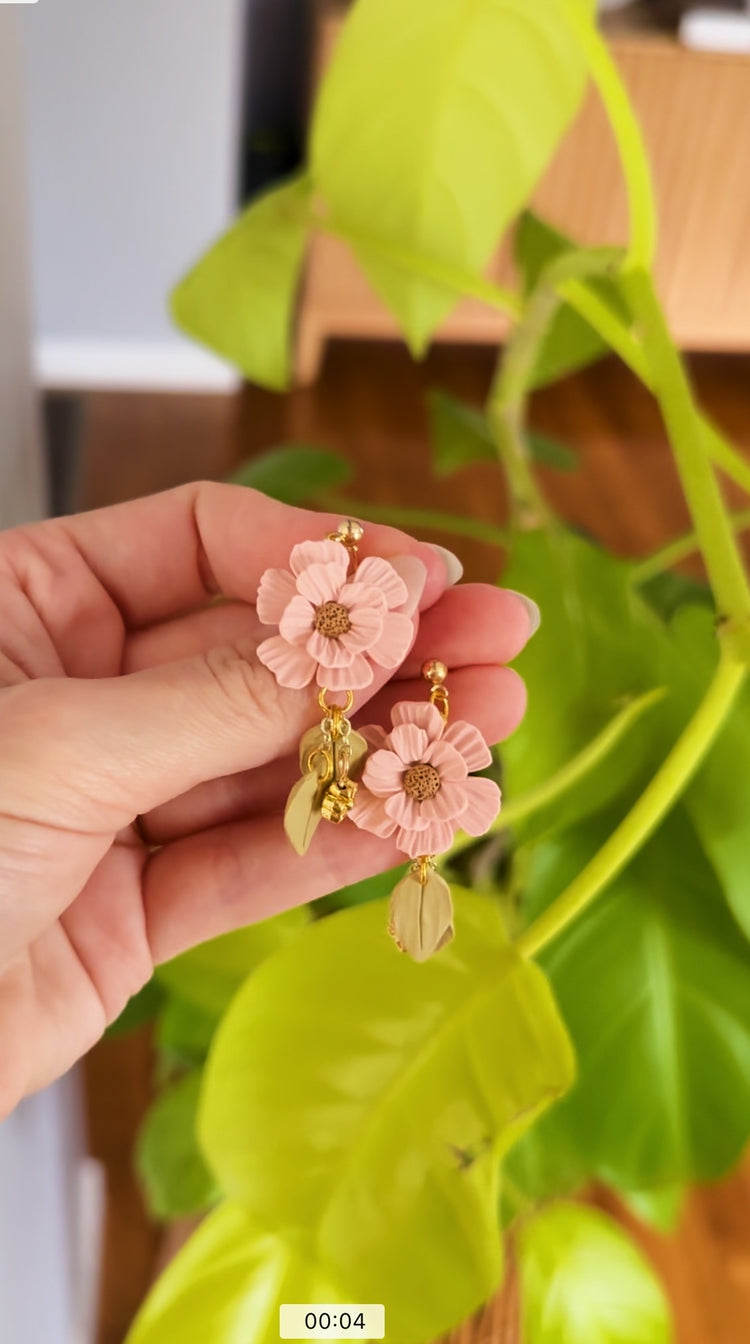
(434, 671)
(350, 532)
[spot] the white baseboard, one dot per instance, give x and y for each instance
(137, 366)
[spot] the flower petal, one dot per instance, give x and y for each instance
(435, 839)
(406, 811)
(291, 665)
(319, 553)
(297, 621)
(382, 575)
(449, 804)
(275, 591)
(366, 629)
(420, 712)
(469, 742)
(329, 652)
(446, 760)
(369, 813)
(321, 583)
(483, 805)
(394, 643)
(355, 594)
(353, 678)
(409, 742)
(382, 773)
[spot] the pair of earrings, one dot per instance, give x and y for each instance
(339, 618)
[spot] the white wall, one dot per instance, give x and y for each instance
(133, 112)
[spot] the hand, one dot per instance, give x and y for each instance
(130, 691)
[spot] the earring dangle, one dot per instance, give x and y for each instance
(417, 787)
(337, 618)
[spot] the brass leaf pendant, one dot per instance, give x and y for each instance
(421, 913)
(302, 814)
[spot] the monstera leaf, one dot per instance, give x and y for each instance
(654, 984)
(435, 122)
(239, 298)
(583, 1279)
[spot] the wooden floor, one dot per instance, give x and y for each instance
(369, 403)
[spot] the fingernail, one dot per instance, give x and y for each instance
(532, 610)
(414, 575)
(453, 565)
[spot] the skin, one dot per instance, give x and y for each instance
(131, 690)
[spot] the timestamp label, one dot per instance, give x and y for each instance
(313, 1320)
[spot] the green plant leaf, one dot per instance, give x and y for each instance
(653, 981)
(599, 647)
(226, 1285)
(210, 974)
(370, 889)
(184, 1032)
(294, 473)
(143, 1007)
(239, 298)
(459, 433)
(549, 452)
(169, 1162)
(433, 126)
(668, 591)
(570, 343)
(660, 1208)
(363, 1100)
(718, 799)
(582, 1279)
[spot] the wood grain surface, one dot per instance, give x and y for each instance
(370, 404)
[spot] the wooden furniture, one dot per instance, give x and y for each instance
(694, 109)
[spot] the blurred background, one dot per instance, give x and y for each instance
(129, 135)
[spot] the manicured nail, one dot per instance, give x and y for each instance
(414, 575)
(452, 563)
(533, 612)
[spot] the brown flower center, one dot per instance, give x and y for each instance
(332, 620)
(421, 782)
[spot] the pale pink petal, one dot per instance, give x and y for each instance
(366, 629)
(329, 652)
(321, 583)
(395, 641)
(354, 594)
(319, 553)
(382, 575)
(297, 621)
(353, 678)
(414, 575)
(409, 742)
(406, 811)
(449, 803)
(446, 760)
(483, 805)
(291, 665)
(420, 712)
(382, 773)
(435, 839)
(374, 736)
(469, 741)
(369, 813)
(275, 591)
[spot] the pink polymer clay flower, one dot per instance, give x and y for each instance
(416, 783)
(332, 627)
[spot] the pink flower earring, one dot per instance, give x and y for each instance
(416, 786)
(336, 620)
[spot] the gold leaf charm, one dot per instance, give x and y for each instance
(421, 912)
(302, 814)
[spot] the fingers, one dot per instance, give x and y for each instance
(493, 698)
(207, 884)
(167, 553)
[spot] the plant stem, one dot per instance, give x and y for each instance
(659, 795)
(680, 549)
(627, 133)
(431, 519)
(709, 513)
(574, 770)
